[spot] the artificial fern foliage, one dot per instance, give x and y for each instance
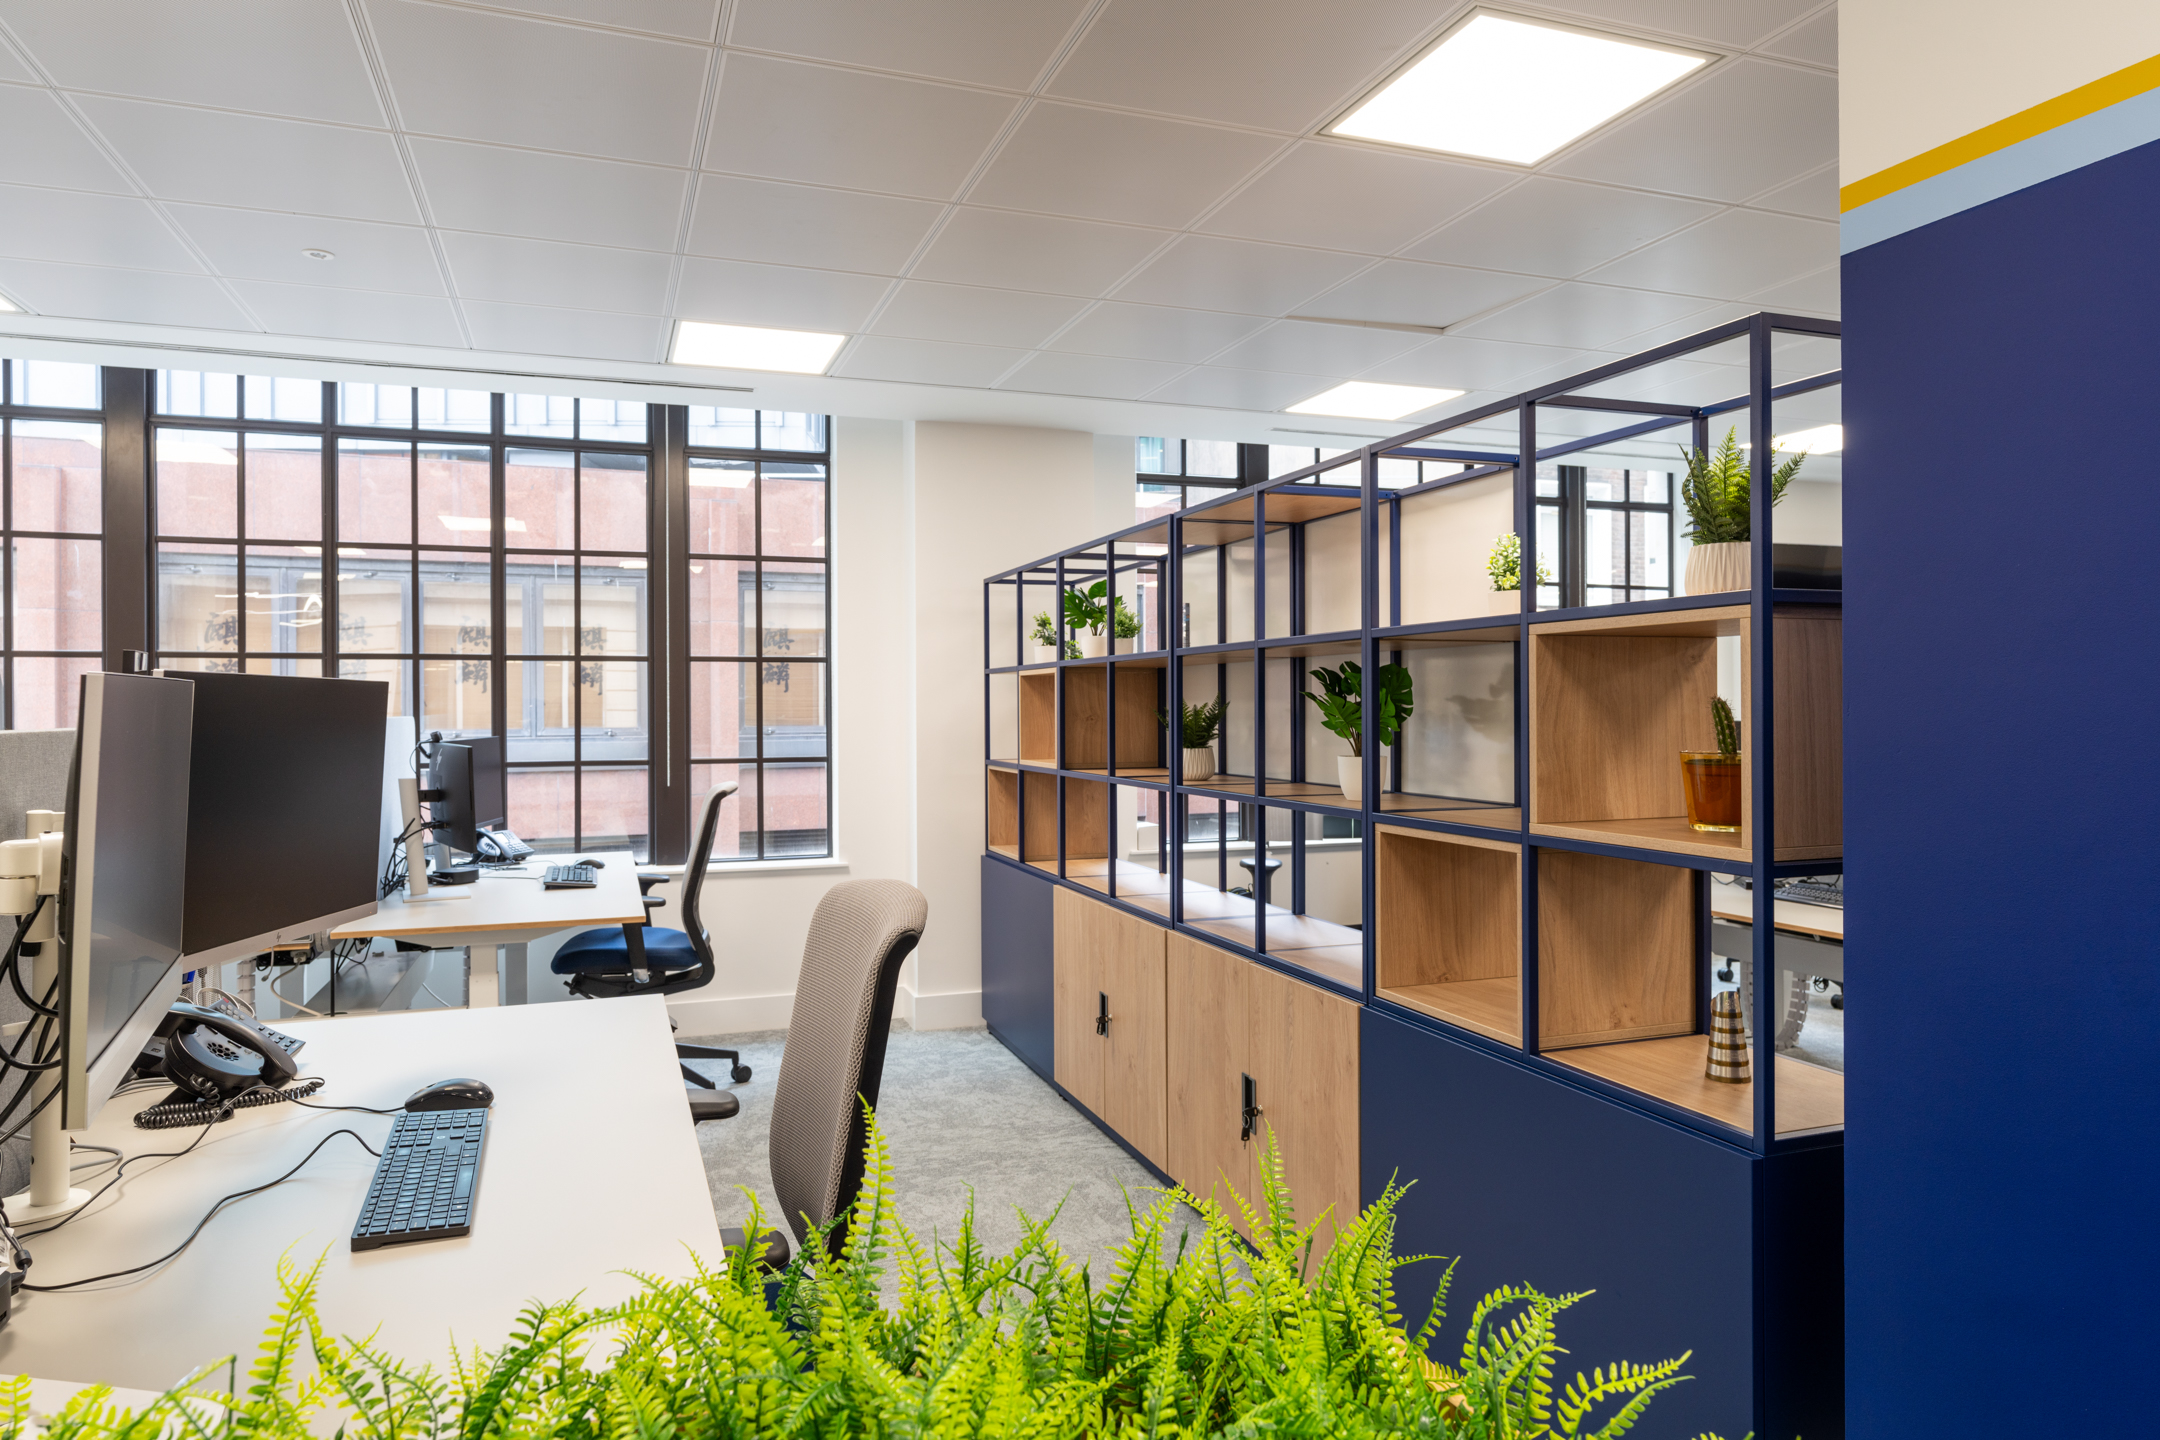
(1193, 1336)
(1716, 491)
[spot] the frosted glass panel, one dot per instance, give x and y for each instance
(1238, 593)
(1202, 603)
(1447, 536)
(1331, 575)
(1460, 741)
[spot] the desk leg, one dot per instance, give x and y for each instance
(481, 986)
(513, 973)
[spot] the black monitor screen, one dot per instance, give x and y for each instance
(285, 808)
(490, 804)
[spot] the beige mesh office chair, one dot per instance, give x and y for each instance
(835, 1051)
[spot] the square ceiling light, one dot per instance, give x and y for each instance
(749, 347)
(1366, 400)
(1822, 440)
(1501, 87)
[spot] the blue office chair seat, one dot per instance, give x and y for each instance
(608, 951)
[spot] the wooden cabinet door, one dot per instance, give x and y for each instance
(1204, 990)
(1134, 1082)
(1304, 1062)
(1076, 981)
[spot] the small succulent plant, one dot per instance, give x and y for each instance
(1728, 730)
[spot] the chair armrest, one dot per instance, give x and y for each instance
(648, 878)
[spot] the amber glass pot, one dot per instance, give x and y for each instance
(1713, 789)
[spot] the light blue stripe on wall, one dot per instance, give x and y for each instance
(2122, 126)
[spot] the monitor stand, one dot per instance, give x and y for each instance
(49, 1196)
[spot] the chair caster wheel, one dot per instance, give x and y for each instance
(740, 1075)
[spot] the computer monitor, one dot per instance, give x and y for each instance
(468, 773)
(285, 808)
(123, 879)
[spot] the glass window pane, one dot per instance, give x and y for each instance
(394, 673)
(375, 491)
(1648, 485)
(1604, 548)
(455, 409)
(284, 487)
(60, 385)
(59, 597)
(48, 690)
(723, 429)
(553, 630)
(793, 509)
(198, 482)
(719, 598)
(788, 430)
(372, 604)
(721, 502)
(611, 420)
(1152, 455)
(191, 392)
(539, 491)
(282, 398)
(1650, 550)
(1548, 480)
(794, 609)
(554, 416)
(611, 502)
(1282, 459)
(614, 809)
(376, 405)
(1604, 484)
(793, 696)
(1548, 554)
(453, 483)
(543, 808)
(454, 609)
(59, 476)
(1211, 457)
(612, 709)
(283, 607)
(735, 833)
(795, 812)
(611, 619)
(723, 722)
(454, 698)
(198, 598)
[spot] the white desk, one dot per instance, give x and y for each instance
(505, 908)
(591, 1169)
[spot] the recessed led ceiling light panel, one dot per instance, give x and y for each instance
(1504, 88)
(748, 347)
(1822, 440)
(1365, 400)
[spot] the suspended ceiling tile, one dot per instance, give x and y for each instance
(1035, 252)
(1055, 374)
(689, 19)
(970, 314)
(812, 123)
(981, 42)
(1278, 64)
(1071, 160)
(1316, 349)
(577, 334)
(925, 362)
(46, 147)
(741, 219)
(13, 69)
(1156, 332)
(1815, 195)
(1736, 23)
(1724, 258)
(1576, 314)
(477, 76)
(1679, 328)
(1340, 196)
(1560, 228)
(547, 272)
(1734, 133)
(1238, 275)
(1816, 294)
(351, 314)
(86, 229)
(781, 296)
(1242, 389)
(550, 197)
(1413, 292)
(1458, 362)
(296, 57)
(259, 245)
(1813, 40)
(184, 154)
(139, 297)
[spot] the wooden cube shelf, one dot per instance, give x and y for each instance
(1038, 718)
(1808, 1096)
(1002, 808)
(1447, 928)
(1613, 702)
(1087, 824)
(1088, 690)
(1038, 820)
(1616, 950)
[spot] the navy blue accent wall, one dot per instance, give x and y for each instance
(2002, 678)
(1531, 1181)
(1017, 946)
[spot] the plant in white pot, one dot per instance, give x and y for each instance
(1086, 613)
(1720, 518)
(1504, 565)
(1196, 737)
(1045, 637)
(1124, 625)
(1342, 710)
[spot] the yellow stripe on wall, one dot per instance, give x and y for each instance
(2108, 90)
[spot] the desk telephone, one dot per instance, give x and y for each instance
(215, 1057)
(500, 847)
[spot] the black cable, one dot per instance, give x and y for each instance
(212, 1215)
(14, 960)
(119, 1174)
(362, 1109)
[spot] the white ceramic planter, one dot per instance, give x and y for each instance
(1350, 773)
(1042, 654)
(1715, 569)
(1094, 647)
(1503, 602)
(1199, 765)
(1123, 647)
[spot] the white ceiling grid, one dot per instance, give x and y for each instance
(1126, 199)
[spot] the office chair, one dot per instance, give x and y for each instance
(835, 1053)
(644, 959)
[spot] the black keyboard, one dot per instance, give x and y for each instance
(424, 1183)
(578, 876)
(1807, 892)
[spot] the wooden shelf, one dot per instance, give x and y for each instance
(1242, 787)
(1616, 949)
(1656, 832)
(1038, 715)
(1455, 812)
(1087, 693)
(1447, 931)
(1321, 946)
(1039, 762)
(1808, 1096)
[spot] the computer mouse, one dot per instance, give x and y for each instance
(452, 1095)
(588, 860)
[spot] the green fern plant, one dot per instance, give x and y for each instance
(1716, 491)
(1504, 564)
(1341, 702)
(1202, 722)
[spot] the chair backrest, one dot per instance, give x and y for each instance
(693, 883)
(835, 1047)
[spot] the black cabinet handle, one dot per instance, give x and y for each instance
(1250, 1109)
(1102, 1013)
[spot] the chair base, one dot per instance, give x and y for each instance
(739, 1075)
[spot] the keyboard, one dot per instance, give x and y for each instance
(425, 1182)
(1808, 892)
(578, 876)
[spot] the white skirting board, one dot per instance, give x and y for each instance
(739, 1014)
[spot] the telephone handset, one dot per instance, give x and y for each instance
(219, 1057)
(500, 847)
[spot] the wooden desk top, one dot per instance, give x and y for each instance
(1734, 903)
(511, 899)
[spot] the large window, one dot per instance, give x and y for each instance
(1172, 473)
(1605, 535)
(52, 567)
(760, 681)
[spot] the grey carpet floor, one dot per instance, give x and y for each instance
(960, 1114)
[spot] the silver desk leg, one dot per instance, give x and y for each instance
(513, 973)
(481, 984)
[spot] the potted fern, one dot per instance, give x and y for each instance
(1087, 612)
(1342, 710)
(1720, 522)
(1504, 565)
(1124, 625)
(1712, 777)
(1045, 638)
(1196, 737)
